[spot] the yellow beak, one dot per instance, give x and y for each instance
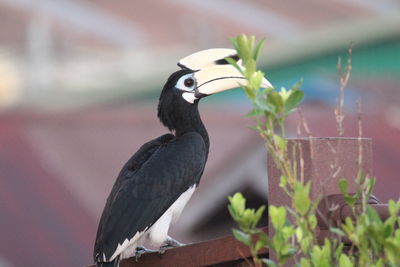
(213, 73)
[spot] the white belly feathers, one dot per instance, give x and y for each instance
(158, 232)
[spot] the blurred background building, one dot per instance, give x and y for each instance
(79, 82)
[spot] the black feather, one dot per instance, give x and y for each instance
(143, 193)
(223, 61)
(114, 263)
(157, 174)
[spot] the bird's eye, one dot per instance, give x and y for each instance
(189, 82)
(186, 83)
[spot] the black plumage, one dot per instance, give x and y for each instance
(157, 174)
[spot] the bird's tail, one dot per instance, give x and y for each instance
(114, 263)
(108, 264)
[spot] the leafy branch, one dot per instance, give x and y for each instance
(374, 242)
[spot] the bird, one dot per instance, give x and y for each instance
(155, 184)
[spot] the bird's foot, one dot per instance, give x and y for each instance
(170, 243)
(173, 243)
(142, 250)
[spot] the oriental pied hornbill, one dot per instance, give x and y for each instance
(157, 181)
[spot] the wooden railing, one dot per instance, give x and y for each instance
(223, 252)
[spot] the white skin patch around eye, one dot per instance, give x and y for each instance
(186, 83)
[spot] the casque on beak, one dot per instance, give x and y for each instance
(213, 73)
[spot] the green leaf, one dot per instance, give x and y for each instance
(234, 64)
(237, 203)
(244, 49)
(278, 216)
(388, 228)
(336, 231)
(289, 251)
(343, 186)
(350, 200)
(262, 241)
(262, 104)
(233, 213)
(305, 262)
(269, 263)
(393, 207)
(288, 231)
(301, 200)
(321, 255)
(373, 215)
(283, 181)
(379, 263)
(295, 98)
(344, 261)
(254, 112)
(251, 41)
(392, 248)
(256, 79)
(299, 234)
(250, 67)
(276, 100)
(312, 219)
(348, 226)
(297, 85)
(339, 250)
(247, 219)
(242, 237)
(370, 186)
(258, 214)
(258, 49)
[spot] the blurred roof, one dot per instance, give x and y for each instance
(42, 224)
(102, 50)
(180, 23)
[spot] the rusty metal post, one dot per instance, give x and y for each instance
(326, 161)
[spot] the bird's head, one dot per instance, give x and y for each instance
(202, 74)
(207, 72)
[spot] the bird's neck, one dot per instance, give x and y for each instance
(192, 123)
(182, 118)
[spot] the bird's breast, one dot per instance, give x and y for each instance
(180, 203)
(158, 232)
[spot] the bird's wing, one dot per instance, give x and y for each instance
(143, 193)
